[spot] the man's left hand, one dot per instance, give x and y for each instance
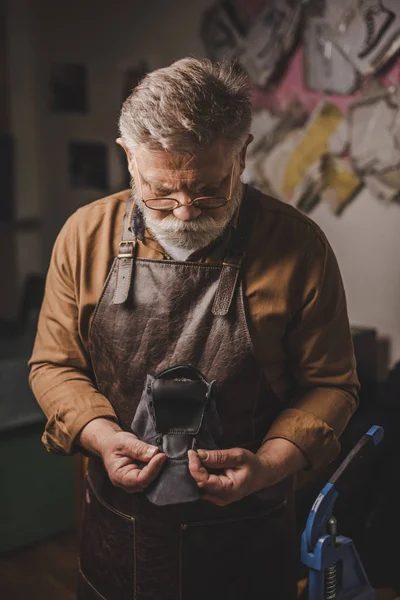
(242, 473)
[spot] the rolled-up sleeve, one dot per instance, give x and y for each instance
(320, 360)
(60, 372)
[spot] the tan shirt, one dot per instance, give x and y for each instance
(296, 311)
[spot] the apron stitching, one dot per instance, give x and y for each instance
(170, 263)
(88, 582)
(106, 505)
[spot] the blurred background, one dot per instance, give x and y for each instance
(326, 97)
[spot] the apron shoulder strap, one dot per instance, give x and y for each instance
(236, 252)
(125, 258)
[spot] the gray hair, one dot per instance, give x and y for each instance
(188, 105)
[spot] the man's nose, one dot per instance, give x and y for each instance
(186, 212)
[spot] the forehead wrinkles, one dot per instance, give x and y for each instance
(208, 166)
(175, 178)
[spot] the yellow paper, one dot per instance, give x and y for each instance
(312, 145)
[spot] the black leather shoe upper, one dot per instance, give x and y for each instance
(177, 411)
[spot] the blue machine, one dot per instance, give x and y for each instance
(335, 569)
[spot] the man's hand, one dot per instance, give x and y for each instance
(242, 474)
(121, 452)
(242, 471)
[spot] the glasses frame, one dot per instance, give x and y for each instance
(178, 204)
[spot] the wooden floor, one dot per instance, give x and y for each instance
(46, 571)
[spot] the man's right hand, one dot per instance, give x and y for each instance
(121, 452)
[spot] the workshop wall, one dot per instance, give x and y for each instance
(107, 40)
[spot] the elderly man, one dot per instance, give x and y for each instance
(191, 267)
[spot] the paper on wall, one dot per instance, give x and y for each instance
(260, 48)
(338, 143)
(374, 126)
(273, 167)
(385, 187)
(339, 182)
(326, 69)
(311, 145)
(263, 125)
(367, 32)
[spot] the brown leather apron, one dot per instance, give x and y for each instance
(153, 314)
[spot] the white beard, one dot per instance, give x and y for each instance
(190, 235)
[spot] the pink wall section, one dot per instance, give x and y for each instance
(292, 86)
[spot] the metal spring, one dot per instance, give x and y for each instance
(330, 584)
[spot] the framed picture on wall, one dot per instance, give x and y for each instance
(68, 88)
(88, 165)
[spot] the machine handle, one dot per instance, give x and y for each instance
(322, 509)
(345, 473)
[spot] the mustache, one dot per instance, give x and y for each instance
(202, 223)
(193, 234)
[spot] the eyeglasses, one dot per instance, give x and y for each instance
(170, 204)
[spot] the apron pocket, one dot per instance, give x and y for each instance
(240, 558)
(107, 550)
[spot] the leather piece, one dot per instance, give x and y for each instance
(178, 405)
(176, 445)
(177, 414)
(174, 485)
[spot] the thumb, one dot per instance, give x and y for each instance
(222, 458)
(139, 450)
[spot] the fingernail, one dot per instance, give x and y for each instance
(150, 452)
(203, 454)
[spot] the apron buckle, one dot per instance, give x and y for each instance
(126, 249)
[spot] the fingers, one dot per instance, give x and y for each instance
(198, 472)
(218, 484)
(233, 457)
(132, 478)
(137, 449)
(151, 470)
(209, 481)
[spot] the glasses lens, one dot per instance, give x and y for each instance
(208, 202)
(161, 203)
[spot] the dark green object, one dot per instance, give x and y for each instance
(36, 489)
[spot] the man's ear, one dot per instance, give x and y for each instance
(242, 155)
(128, 153)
